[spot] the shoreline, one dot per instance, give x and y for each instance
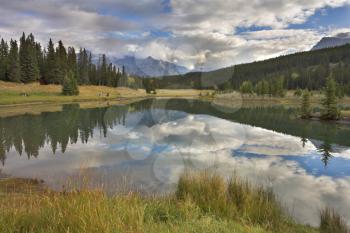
(342, 121)
(121, 100)
(39, 107)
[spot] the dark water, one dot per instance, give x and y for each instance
(150, 143)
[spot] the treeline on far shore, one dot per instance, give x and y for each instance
(26, 61)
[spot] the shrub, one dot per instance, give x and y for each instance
(298, 92)
(70, 85)
(305, 105)
(330, 102)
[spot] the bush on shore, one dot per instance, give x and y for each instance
(70, 85)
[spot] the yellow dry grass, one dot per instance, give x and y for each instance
(16, 93)
(346, 113)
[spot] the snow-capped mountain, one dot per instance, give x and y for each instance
(148, 67)
(329, 42)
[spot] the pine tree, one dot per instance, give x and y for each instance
(115, 77)
(61, 60)
(22, 48)
(40, 56)
(330, 108)
(258, 88)
(122, 77)
(70, 85)
(91, 71)
(280, 87)
(305, 105)
(103, 70)
(262, 88)
(246, 87)
(83, 67)
(52, 69)
(28, 59)
(93, 74)
(276, 87)
(3, 60)
(14, 71)
(109, 81)
(72, 62)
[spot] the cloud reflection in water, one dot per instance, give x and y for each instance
(151, 151)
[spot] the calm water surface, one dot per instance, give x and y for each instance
(150, 143)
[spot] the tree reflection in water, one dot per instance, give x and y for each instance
(29, 133)
(326, 147)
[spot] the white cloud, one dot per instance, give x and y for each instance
(201, 32)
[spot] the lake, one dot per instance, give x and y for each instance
(147, 145)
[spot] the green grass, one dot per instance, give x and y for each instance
(202, 203)
(236, 200)
(332, 222)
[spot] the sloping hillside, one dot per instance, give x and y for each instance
(329, 42)
(300, 70)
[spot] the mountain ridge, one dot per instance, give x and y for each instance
(148, 67)
(332, 41)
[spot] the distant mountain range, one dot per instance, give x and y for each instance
(151, 67)
(329, 42)
(148, 67)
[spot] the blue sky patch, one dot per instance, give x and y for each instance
(327, 18)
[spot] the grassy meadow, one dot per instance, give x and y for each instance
(34, 93)
(202, 203)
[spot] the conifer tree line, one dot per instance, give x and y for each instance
(28, 61)
(303, 70)
(272, 87)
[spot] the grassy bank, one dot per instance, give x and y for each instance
(289, 99)
(235, 99)
(202, 203)
(34, 93)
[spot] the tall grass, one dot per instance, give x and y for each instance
(236, 199)
(332, 222)
(203, 202)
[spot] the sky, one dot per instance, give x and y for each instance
(199, 34)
